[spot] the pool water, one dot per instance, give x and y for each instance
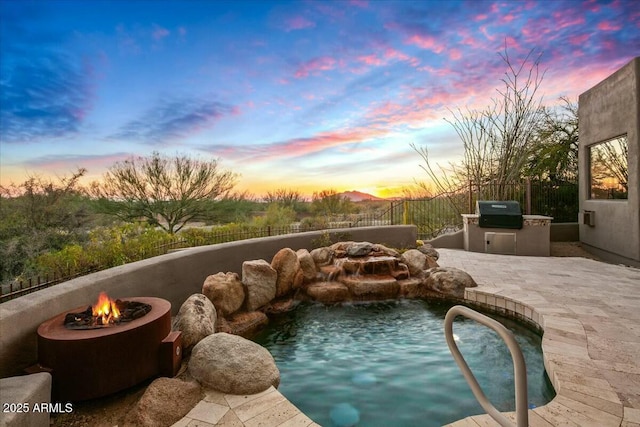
(388, 364)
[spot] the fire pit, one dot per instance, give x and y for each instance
(93, 352)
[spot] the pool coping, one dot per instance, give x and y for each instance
(593, 387)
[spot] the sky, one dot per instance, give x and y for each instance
(306, 95)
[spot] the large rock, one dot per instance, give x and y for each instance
(379, 249)
(371, 288)
(341, 246)
(322, 256)
(285, 263)
(153, 408)
(234, 365)
(416, 261)
(328, 292)
(358, 249)
(196, 319)
(246, 324)
(429, 251)
(307, 265)
(259, 278)
(225, 291)
(449, 281)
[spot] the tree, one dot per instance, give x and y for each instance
(37, 216)
(329, 202)
(555, 156)
(497, 140)
(286, 198)
(166, 191)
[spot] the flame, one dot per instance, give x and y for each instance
(105, 311)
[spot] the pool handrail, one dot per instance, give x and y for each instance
(519, 366)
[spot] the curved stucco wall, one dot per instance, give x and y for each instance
(173, 277)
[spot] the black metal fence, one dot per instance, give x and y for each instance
(432, 215)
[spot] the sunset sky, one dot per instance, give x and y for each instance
(308, 95)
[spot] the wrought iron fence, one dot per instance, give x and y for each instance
(558, 199)
(432, 216)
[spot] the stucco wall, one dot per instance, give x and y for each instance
(174, 277)
(606, 111)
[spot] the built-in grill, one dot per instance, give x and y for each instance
(499, 214)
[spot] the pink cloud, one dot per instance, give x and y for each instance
(425, 42)
(394, 54)
(298, 23)
(507, 18)
(455, 54)
(608, 26)
(485, 32)
(564, 20)
(480, 17)
(360, 3)
(579, 39)
(296, 147)
(322, 63)
(159, 33)
(371, 60)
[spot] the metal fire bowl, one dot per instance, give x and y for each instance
(86, 364)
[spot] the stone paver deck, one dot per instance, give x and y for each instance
(590, 313)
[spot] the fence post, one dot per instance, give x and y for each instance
(528, 195)
(405, 212)
(391, 210)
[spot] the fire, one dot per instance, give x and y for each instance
(105, 311)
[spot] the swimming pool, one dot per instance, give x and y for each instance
(387, 364)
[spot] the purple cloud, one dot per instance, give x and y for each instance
(174, 119)
(45, 96)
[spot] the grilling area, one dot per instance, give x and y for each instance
(498, 227)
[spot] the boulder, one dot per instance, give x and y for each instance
(383, 250)
(196, 319)
(449, 281)
(416, 261)
(341, 246)
(411, 288)
(246, 324)
(401, 272)
(359, 249)
(322, 256)
(298, 279)
(371, 288)
(328, 292)
(281, 306)
(259, 279)
(234, 365)
(285, 263)
(429, 251)
(225, 291)
(307, 265)
(152, 408)
(431, 262)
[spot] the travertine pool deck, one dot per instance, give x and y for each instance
(590, 313)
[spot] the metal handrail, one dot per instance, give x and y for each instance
(519, 367)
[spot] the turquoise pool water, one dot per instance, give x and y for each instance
(387, 364)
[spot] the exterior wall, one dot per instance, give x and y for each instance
(610, 109)
(174, 277)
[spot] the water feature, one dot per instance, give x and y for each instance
(387, 364)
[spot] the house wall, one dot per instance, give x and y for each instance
(610, 109)
(174, 277)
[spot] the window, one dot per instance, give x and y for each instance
(609, 169)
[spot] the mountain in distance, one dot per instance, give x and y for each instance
(358, 196)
